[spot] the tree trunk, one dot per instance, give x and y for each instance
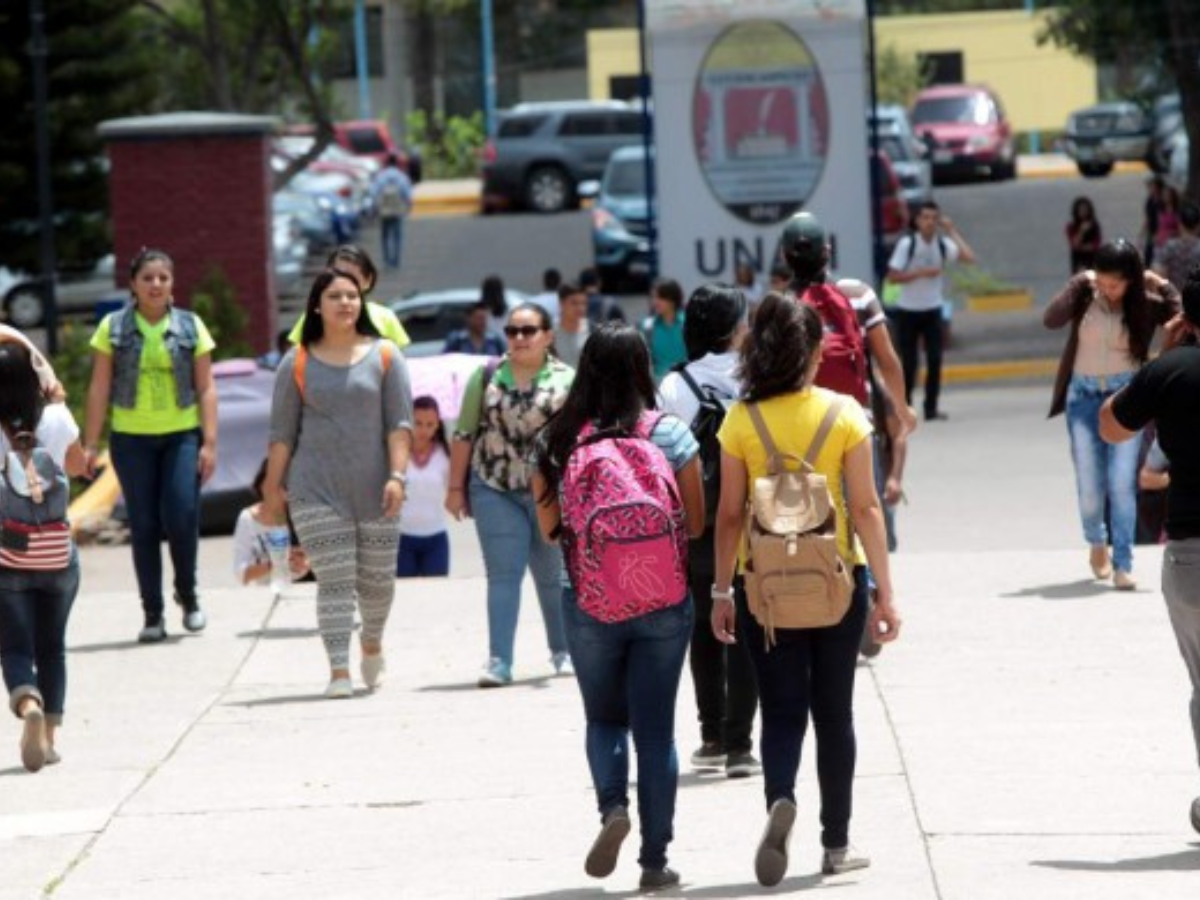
(1185, 60)
(424, 59)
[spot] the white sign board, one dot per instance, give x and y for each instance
(760, 110)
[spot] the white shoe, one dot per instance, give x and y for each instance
(562, 664)
(374, 670)
(340, 689)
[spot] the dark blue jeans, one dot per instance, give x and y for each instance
(392, 232)
(161, 485)
(628, 673)
(423, 557)
(34, 607)
(810, 670)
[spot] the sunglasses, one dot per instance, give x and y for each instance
(525, 331)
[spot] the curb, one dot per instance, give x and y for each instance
(449, 205)
(1007, 370)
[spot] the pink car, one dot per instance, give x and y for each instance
(966, 131)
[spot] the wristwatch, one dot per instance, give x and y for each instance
(726, 595)
(397, 475)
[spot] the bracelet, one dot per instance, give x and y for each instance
(399, 476)
(726, 595)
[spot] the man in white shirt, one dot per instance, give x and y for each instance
(573, 327)
(548, 298)
(918, 266)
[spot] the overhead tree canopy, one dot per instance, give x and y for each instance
(98, 69)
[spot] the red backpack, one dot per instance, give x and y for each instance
(843, 357)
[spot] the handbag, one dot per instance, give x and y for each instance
(34, 532)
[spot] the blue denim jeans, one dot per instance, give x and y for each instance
(506, 522)
(810, 670)
(423, 557)
(628, 673)
(392, 229)
(1103, 472)
(34, 607)
(161, 485)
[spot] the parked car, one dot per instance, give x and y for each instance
(907, 153)
(430, 317)
(371, 138)
(23, 299)
(1099, 136)
(542, 151)
(893, 208)
(1168, 125)
(966, 131)
(315, 222)
(620, 221)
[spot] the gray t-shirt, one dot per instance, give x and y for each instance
(568, 345)
(338, 433)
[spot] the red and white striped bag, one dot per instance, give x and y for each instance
(34, 532)
(38, 548)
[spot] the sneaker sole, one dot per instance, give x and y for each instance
(828, 868)
(708, 763)
(602, 858)
(742, 771)
(771, 860)
(152, 638)
(1196, 814)
(33, 750)
(194, 629)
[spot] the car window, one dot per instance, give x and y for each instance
(586, 124)
(519, 126)
(433, 322)
(895, 148)
(627, 123)
(365, 140)
(626, 178)
(971, 110)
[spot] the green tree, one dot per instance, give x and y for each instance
(1165, 31)
(98, 69)
(898, 77)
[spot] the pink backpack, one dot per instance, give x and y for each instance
(623, 525)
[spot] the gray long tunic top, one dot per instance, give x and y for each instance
(338, 432)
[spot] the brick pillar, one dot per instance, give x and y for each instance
(198, 185)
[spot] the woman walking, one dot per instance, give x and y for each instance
(39, 566)
(698, 393)
(341, 430)
(152, 363)
(806, 670)
(663, 329)
(1083, 234)
(607, 460)
(1113, 311)
(503, 409)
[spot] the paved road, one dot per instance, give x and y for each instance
(1028, 737)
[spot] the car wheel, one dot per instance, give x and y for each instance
(1095, 170)
(548, 190)
(25, 306)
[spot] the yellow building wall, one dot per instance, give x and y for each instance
(1038, 85)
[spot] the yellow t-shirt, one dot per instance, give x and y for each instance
(156, 410)
(793, 420)
(381, 317)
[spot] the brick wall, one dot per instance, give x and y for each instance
(205, 200)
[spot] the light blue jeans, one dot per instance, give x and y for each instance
(506, 522)
(1103, 472)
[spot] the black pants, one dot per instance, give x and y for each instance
(913, 328)
(726, 690)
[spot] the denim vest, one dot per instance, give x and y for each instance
(180, 338)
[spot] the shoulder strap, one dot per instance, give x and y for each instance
(827, 423)
(385, 355)
(912, 248)
(692, 384)
(299, 367)
(774, 460)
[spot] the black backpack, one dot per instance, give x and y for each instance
(705, 426)
(941, 242)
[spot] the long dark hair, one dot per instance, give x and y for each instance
(21, 400)
(430, 404)
(1122, 259)
(491, 292)
(1076, 217)
(314, 328)
(777, 352)
(357, 256)
(714, 312)
(613, 386)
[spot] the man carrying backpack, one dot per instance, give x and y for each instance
(918, 265)
(391, 190)
(699, 393)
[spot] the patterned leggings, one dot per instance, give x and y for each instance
(352, 560)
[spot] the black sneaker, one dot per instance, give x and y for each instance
(771, 860)
(742, 765)
(935, 416)
(658, 879)
(1196, 813)
(709, 756)
(602, 858)
(193, 616)
(154, 631)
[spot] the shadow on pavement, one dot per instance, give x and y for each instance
(540, 683)
(1184, 861)
(278, 634)
(121, 645)
(1073, 590)
(15, 770)
(290, 699)
(746, 889)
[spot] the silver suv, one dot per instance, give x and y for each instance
(542, 151)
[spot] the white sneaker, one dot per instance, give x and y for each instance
(562, 664)
(374, 670)
(340, 689)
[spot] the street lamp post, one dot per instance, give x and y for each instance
(41, 109)
(489, 67)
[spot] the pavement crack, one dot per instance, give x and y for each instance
(908, 786)
(83, 854)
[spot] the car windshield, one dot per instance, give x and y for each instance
(971, 110)
(366, 140)
(894, 148)
(626, 178)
